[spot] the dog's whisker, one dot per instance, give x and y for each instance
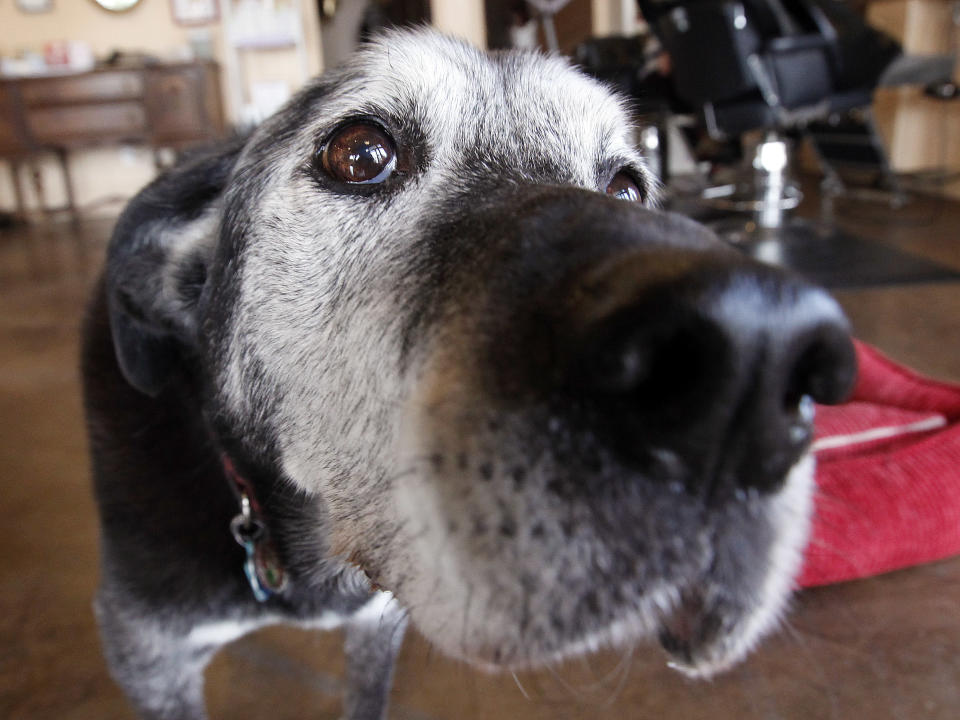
(565, 685)
(520, 687)
(839, 553)
(624, 666)
(464, 646)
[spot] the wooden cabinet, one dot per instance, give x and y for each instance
(101, 86)
(163, 106)
(74, 125)
(183, 104)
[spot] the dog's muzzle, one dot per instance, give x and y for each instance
(639, 400)
(665, 336)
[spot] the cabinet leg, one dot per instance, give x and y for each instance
(68, 184)
(21, 212)
(39, 189)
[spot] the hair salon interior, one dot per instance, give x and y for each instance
(821, 135)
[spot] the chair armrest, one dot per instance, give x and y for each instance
(792, 43)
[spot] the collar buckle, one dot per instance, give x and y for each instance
(262, 566)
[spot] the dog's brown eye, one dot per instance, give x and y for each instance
(623, 187)
(360, 153)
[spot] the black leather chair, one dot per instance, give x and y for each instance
(772, 65)
(751, 64)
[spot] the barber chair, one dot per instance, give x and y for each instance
(772, 66)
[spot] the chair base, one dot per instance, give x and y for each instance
(768, 198)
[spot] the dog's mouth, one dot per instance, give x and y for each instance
(718, 619)
(693, 635)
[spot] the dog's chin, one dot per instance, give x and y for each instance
(706, 622)
(700, 640)
(713, 627)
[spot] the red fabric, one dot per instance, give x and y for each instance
(885, 503)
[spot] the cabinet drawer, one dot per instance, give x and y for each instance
(118, 120)
(10, 141)
(115, 85)
(175, 104)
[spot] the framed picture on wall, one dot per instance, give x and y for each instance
(195, 12)
(35, 6)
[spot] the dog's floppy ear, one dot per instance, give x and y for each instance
(157, 265)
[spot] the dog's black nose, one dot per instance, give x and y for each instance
(656, 344)
(706, 364)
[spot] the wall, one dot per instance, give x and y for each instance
(463, 18)
(614, 17)
(149, 27)
(340, 32)
(920, 133)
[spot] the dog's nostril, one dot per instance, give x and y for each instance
(634, 357)
(619, 367)
(824, 369)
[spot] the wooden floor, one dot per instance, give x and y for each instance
(888, 647)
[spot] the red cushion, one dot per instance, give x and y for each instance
(888, 475)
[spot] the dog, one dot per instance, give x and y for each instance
(423, 347)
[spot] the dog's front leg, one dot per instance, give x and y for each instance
(373, 639)
(159, 669)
